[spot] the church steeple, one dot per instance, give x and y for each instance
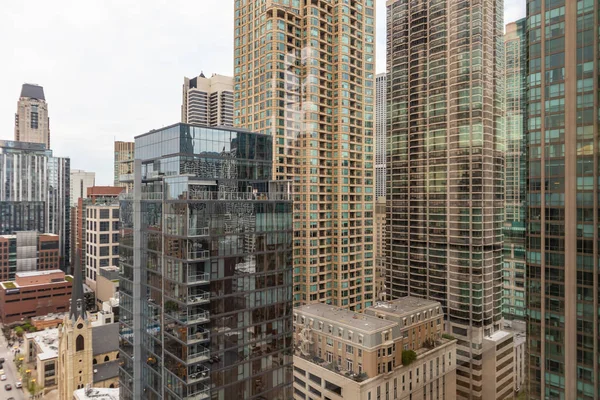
(77, 298)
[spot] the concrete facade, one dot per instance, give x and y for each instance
(31, 119)
(80, 182)
(208, 101)
(28, 251)
(344, 355)
(102, 240)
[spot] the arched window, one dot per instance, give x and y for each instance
(112, 385)
(106, 359)
(79, 343)
(117, 355)
(94, 362)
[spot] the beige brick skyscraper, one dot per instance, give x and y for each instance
(31, 119)
(305, 74)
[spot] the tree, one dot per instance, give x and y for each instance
(19, 331)
(408, 356)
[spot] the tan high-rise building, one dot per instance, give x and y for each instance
(31, 119)
(445, 175)
(208, 101)
(123, 170)
(305, 74)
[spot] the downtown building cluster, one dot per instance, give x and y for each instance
(311, 230)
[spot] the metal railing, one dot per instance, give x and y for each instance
(203, 393)
(198, 298)
(198, 231)
(206, 195)
(197, 254)
(199, 356)
(200, 278)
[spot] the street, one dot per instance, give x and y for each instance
(10, 370)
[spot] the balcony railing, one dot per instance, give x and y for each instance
(152, 196)
(199, 356)
(125, 177)
(194, 254)
(202, 374)
(206, 195)
(190, 318)
(203, 393)
(198, 231)
(200, 278)
(198, 337)
(198, 298)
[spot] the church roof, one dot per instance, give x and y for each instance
(77, 294)
(32, 91)
(105, 338)
(107, 370)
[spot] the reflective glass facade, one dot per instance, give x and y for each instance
(206, 264)
(562, 247)
(445, 169)
(35, 193)
(515, 180)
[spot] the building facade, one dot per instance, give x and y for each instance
(102, 239)
(31, 119)
(35, 193)
(123, 168)
(445, 171)
(562, 242)
(80, 182)
(314, 94)
(206, 261)
(515, 177)
(28, 251)
(207, 101)
(34, 293)
(341, 354)
(380, 136)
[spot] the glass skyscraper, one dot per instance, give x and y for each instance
(35, 193)
(515, 177)
(206, 264)
(562, 246)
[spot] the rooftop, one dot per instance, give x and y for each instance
(50, 317)
(107, 370)
(105, 338)
(356, 321)
(32, 91)
(96, 394)
(26, 274)
(405, 305)
(498, 336)
(47, 341)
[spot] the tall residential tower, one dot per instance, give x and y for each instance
(208, 101)
(515, 179)
(31, 119)
(206, 261)
(562, 245)
(305, 75)
(380, 137)
(445, 174)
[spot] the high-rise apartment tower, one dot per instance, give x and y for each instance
(562, 244)
(208, 101)
(123, 167)
(305, 75)
(31, 119)
(445, 174)
(515, 179)
(380, 137)
(206, 261)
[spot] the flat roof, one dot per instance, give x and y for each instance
(25, 274)
(353, 320)
(498, 335)
(47, 341)
(96, 394)
(405, 305)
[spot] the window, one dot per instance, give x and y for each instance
(79, 346)
(349, 365)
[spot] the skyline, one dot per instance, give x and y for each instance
(43, 51)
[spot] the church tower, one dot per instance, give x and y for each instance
(75, 343)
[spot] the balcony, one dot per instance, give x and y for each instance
(200, 278)
(194, 254)
(207, 195)
(198, 337)
(203, 393)
(198, 231)
(195, 318)
(152, 196)
(199, 298)
(202, 374)
(201, 355)
(126, 178)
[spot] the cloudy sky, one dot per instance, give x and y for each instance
(113, 69)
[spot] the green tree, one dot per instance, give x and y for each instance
(408, 356)
(19, 331)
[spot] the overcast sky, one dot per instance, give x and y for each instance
(114, 68)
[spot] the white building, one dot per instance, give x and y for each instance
(208, 101)
(80, 181)
(102, 240)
